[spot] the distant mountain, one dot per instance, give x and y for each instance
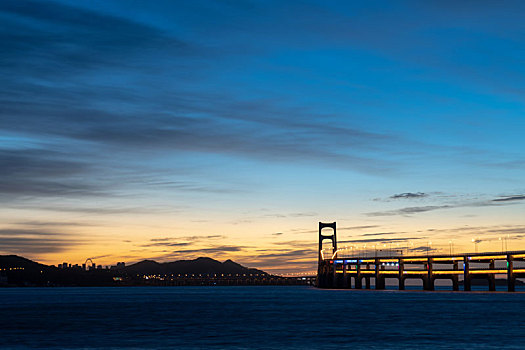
(20, 271)
(197, 266)
(15, 261)
(148, 267)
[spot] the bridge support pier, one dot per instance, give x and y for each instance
(429, 285)
(401, 283)
(455, 278)
(346, 279)
(492, 277)
(380, 281)
(426, 283)
(358, 278)
(455, 283)
(367, 282)
(401, 276)
(511, 279)
(466, 275)
(359, 282)
(334, 277)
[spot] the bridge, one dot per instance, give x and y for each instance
(358, 272)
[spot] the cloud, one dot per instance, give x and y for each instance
(288, 254)
(34, 246)
(381, 233)
(351, 228)
(347, 228)
(42, 173)
(23, 232)
(409, 195)
(291, 258)
(69, 53)
(510, 198)
(305, 214)
(99, 256)
(167, 244)
(410, 210)
(182, 241)
(102, 210)
(382, 240)
(186, 238)
(52, 38)
(34, 241)
(36, 223)
(215, 250)
(422, 248)
(460, 204)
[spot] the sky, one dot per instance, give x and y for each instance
(171, 130)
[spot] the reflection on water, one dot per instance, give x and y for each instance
(257, 317)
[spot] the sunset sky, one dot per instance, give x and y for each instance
(171, 130)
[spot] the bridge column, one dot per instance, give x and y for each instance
(367, 277)
(379, 279)
(466, 275)
(358, 281)
(430, 274)
(511, 280)
(382, 277)
(455, 278)
(345, 279)
(334, 276)
(492, 277)
(401, 275)
(428, 279)
(320, 274)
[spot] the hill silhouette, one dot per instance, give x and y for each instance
(207, 266)
(202, 265)
(15, 261)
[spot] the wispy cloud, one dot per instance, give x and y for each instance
(409, 210)
(409, 195)
(510, 198)
(381, 234)
(57, 224)
(34, 246)
(32, 242)
(24, 232)
(223, 249)
(382, 240)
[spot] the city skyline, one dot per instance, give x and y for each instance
(173, 130)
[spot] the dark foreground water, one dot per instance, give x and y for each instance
(258, 318)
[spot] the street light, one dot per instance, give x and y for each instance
(451, 246)
(410, 245)
(475, 241)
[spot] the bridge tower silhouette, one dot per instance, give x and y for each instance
(332, 237)
(323, 268)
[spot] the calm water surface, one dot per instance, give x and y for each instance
(257, 318)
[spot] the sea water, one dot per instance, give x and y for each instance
(265, 317)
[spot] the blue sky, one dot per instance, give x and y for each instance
(122, 123)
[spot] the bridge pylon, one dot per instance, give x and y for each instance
(322, 237)
(325, 271)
